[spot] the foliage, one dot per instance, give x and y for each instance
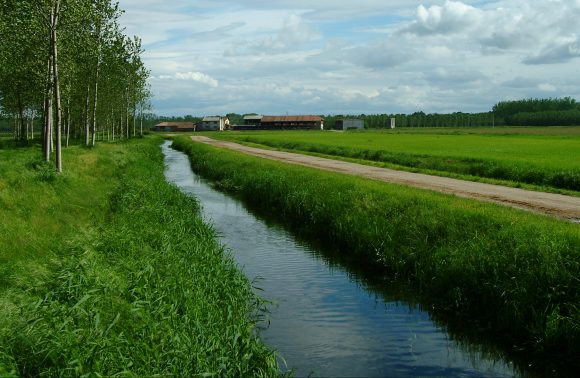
(416, 120)
(539, 112)
(513, 272)
(97, 75)
(130, 283)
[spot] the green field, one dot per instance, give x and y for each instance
(107, 270)
(512, 273)
(548, 157)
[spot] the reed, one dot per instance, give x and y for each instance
(139, 286)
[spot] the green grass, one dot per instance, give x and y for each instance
(514, 273)
(108, 270)
(549, 157)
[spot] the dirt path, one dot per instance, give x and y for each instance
(546, 203)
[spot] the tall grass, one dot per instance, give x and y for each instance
(141, 288)
(544, 160)
(512, 271)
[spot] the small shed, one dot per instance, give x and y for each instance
(175, 126)
(349, 124)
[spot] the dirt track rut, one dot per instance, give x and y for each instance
(546, 203)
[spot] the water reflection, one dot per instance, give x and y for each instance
(325, 321)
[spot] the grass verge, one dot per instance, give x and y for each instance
(512, 272)
(108, 270)
(541, 160)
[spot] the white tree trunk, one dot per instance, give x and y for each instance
(57, 88)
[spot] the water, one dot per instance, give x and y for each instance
(326, 321)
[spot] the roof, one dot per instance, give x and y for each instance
(212, 119)
(253, 117)
(302, 118)
(179, 125)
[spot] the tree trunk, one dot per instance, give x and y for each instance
(21, 121)
(87, 116)
(68, 122)
(57, 88)
(47, 129)
(95, 102)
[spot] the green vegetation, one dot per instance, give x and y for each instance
(528, 112)
(544, 160)
(539, 112)
(108, 270)
(513, 272)
(69, 74)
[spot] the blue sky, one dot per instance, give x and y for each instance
(350, 57)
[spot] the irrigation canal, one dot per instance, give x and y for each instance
(327, 320)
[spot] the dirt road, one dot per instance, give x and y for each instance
(546, 203)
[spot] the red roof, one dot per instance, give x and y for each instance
(303, 118)
(179, 125)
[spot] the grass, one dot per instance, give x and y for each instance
(548, 158)
(108, 270)
(513, 273)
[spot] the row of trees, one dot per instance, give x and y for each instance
(528, 112)
(67, 69)
(418, 119)
(539, 112)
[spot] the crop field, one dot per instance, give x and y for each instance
(548, 157)
(509, 270)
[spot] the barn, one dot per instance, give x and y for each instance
(175, 126)
(300, 122)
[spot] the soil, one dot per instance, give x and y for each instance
(557, 205)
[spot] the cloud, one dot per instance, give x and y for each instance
(340, 56)
(452, 17)
(294, 32)
(559, 53)
(191, 76)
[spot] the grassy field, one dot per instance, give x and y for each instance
(548, 157)
(108, 270)
(512, 273)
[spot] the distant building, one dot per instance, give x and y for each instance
(349, 124)
(253, 120)
(292, 122)
(175, 126)
(215, 123)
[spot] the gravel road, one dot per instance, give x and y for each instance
(557, 205)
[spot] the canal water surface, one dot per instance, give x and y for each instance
(326, 321)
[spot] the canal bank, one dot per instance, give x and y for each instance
(506, 274)
(324, 318)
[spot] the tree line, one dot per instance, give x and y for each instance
(539, 112)
(68, 74)
(528, 112)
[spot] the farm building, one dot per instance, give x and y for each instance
(349, 124)
(253, 120)
(215, 123)
(175, 126)
(292, 123)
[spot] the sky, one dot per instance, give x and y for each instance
(213, 57)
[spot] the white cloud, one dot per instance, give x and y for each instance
(547, 87)
(452, 17)
(191, 76)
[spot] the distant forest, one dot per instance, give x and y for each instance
(528, 112)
